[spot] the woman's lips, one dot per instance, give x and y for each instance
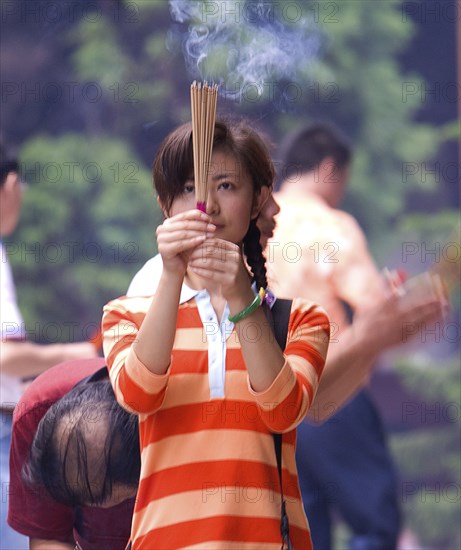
(268, 231)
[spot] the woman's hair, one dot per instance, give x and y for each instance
(84, 445)
(174, 165)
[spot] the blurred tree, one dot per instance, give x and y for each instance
(361, 85)
(87, 223)
(429, 457)
(119, 69)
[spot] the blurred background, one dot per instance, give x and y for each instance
(90, 88)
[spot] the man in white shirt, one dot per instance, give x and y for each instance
(20, 360)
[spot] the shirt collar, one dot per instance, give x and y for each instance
(187, 293)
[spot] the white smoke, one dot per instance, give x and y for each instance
(240, 43)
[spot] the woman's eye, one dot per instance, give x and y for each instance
(226, 185)
(188, 188)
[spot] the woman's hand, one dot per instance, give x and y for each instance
(222, 262)
(179, 235)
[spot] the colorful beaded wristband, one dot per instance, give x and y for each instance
(249, 309)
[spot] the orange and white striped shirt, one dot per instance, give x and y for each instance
(209, 476)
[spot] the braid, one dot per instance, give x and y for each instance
(254, 255)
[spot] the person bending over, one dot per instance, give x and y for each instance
(74, 461)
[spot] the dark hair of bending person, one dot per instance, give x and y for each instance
(86, 449)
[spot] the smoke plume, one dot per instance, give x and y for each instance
(244, 44)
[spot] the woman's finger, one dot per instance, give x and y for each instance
(187, 225)
(179, 235)
(224, 251)
(189, 215)
(177, 246)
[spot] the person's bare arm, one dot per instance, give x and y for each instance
(380, 319)
(356, 279)
(353, 348)
(41, 544)
(353, 352)
(27, 359)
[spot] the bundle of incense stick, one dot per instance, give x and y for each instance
(203, 106)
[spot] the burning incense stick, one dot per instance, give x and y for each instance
(203, 100)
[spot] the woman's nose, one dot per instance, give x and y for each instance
(212, 206)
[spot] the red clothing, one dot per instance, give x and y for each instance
(209, 477)
(33, 512)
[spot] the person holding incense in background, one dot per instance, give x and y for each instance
(344, 465)
(200, 366)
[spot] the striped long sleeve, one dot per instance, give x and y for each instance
(208, 470)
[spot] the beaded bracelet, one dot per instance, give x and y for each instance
(258, 300)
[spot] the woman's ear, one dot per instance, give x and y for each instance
(165, 213)
(259, 200)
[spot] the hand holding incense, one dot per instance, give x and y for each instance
(203, 106)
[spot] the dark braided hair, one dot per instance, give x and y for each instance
(254, 255)
(174, 165)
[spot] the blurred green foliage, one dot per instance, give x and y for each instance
(87, 223)
(429, 459)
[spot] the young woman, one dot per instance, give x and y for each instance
(199, 364)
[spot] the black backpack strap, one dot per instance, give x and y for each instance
(280, 314)
(284, 525)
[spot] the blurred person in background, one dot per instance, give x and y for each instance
(20, 360)
(318, 251)
(74, 461)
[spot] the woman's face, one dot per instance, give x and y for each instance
(266, 220)
(231, 201)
